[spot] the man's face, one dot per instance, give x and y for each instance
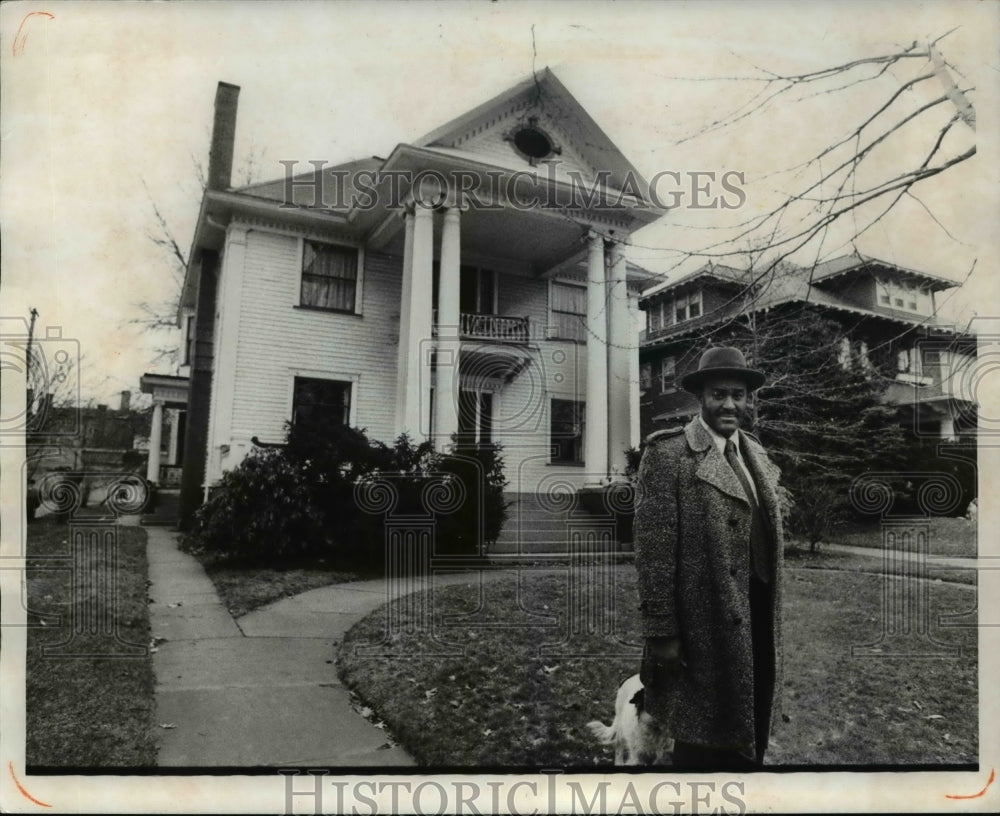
(724, 404)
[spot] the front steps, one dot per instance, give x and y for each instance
(545, 525)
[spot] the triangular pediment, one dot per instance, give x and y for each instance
(541, 104)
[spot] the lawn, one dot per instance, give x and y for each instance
(97, 710)
(503, 698)
(244, 588)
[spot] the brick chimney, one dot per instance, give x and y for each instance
(126, 401)
(220, 156)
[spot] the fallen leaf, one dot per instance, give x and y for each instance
(365, 712)
(549, 669)
(430, 693)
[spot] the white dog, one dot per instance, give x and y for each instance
(637, 738)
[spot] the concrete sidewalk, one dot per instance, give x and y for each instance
(948, 561)
(261, 692)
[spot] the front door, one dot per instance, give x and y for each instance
(475, 417)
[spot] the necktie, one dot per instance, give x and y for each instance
(759, 538)
(734, 463)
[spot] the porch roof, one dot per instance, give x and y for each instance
(171, 390)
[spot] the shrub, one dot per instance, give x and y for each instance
(302, 500)
(818, 507)
(261, 511)
(483, 513)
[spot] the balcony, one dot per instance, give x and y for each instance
(503, 328)
(497, 328)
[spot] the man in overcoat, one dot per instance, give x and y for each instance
(708, 551)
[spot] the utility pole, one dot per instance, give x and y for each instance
(27, 360)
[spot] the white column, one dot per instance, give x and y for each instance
(448, 330)
(172, 413)
(418, 339)
(403, 357)
(636, 320)
(596, 433)
(621, 350)
(227, 338)
(155, 438)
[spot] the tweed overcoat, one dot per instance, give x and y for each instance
(692, 533)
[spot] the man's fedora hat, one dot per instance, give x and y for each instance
(722, 361)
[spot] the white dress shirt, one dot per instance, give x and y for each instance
(720, 443)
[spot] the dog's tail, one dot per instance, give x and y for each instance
(604, 734)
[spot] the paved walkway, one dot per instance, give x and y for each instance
(261, 692)
(948, 561)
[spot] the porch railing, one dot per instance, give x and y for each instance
(504, 328)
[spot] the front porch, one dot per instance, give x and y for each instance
(452, 331)
(164, 465)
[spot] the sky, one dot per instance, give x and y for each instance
(105, 108)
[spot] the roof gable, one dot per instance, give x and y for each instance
(486, 132)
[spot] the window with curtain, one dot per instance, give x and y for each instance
(321, 402)
(329, 276)
(569, 311)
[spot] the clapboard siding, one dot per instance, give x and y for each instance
(524, 297)
(522, 422)
(277, 340)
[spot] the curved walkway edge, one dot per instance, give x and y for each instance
(261, 693)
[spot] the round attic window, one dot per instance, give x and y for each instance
(533, 143)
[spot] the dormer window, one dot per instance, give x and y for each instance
(904, 296)
(532, 141)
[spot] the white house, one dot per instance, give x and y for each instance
(475, 279)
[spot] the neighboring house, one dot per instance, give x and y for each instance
(879, 305)
(164, 439)
(92, 443)
(351, 291)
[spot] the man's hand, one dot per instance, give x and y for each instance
(661, 665)
(666, 652)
